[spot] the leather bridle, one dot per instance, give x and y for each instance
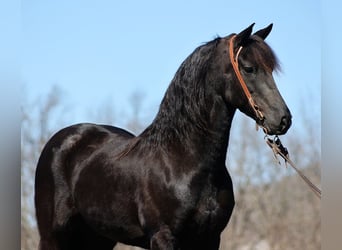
(235, 62)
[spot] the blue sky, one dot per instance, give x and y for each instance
(103, 51)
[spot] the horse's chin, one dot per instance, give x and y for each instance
(274, 130)
(271, 130)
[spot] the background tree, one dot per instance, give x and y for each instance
(36, 128)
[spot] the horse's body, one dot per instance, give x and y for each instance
(167, 188)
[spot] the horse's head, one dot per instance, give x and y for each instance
(254, 64)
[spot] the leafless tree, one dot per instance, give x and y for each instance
(36, 128)
(135, 123)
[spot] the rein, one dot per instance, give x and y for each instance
(275, 144)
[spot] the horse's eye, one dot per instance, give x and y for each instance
(248, 69)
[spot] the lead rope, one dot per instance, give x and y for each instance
(275, 144)
(278, 149)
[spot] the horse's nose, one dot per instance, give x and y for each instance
(285, 124)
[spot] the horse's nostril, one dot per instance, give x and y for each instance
(285, 123)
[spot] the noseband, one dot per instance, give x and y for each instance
(235, 63)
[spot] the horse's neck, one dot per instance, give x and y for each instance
(188, 140)
(213, 144)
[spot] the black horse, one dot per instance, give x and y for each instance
(167, 188)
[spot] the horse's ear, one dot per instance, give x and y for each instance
(263, 33)
(243, 36)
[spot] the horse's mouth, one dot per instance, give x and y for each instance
(281, 129)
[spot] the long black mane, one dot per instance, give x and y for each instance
(184, 107)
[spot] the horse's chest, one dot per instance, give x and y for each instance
(211, 211)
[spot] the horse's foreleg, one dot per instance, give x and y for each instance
(163, 240)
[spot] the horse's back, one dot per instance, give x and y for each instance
(61, 160)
